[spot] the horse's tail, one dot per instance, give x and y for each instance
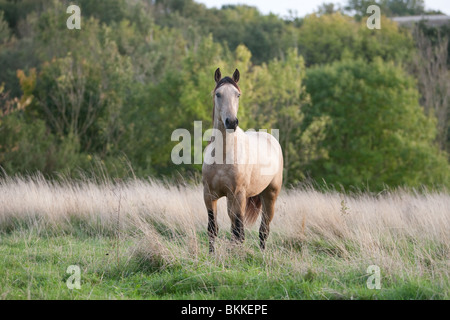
(252, 210)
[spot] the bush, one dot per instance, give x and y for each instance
(378, 132)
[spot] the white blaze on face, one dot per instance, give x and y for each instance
(227, 102)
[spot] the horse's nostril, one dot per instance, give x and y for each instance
(231, 124)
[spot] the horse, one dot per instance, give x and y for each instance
(236, 168)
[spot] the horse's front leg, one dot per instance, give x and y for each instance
(236, 209)
(213, 228)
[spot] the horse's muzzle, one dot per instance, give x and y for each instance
(231, 123)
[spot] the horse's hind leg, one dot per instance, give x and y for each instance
(213, 228)
(268, 198)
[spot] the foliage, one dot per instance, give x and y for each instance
(332, 37)
(277, 101)
(112, 93)
(431, 69)
(26, 145)
(378, 132)
(4, 29)
(390, 8)
(327, 38)
(16, 10)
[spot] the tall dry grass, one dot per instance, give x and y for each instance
(404, 232)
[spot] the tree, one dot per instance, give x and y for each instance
(389, 8)
(332, 37)
(106, 11)
(180, 97)
(140, 69)
(405, 7)
(81, 94)
(266, 36)
(277, 101)
(430, 66)
(328, 8)
(4, 29)
(16, 10)
(378, 133)
(391, 43)
(326, 38)
(26, 145)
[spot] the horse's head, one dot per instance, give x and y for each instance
(226, 99)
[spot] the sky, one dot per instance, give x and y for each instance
(304, 7)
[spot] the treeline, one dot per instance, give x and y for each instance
(355, 107)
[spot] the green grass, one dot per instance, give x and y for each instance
(147, 240)
(33, 266)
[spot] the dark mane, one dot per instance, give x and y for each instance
(227, 80)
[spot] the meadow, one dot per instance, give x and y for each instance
(146, 239)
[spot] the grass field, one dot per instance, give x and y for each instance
(147, 240)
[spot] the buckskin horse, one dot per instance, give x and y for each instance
(245, 167)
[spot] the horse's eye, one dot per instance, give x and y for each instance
(239, 95)
(218, 95)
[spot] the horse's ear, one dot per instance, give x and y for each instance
(236, 76)
(217, 75)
